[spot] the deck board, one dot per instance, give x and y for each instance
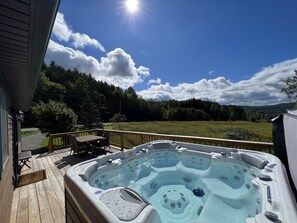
(44, 207)
(56, 173)
(44, 201)
(55, 187)
(34, 213)
(55, 208)
(23, 215)
(14, 208)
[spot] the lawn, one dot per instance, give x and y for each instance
(215, 129)
(28, 133)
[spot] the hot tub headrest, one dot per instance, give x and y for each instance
(253, 160)
(88, 171)
(161, 145)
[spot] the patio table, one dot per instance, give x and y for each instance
(88, 138)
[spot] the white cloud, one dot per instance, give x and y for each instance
(82, 40)
(63, 32)
(210, 72)
(185, 91)
(119, 67)
(154, 81)
(116, 68)
(262, 89)
(144, 71)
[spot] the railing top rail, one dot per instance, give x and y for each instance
(196, 139)
(67, 133)
(214, 140)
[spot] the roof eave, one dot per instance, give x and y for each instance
(40, 31)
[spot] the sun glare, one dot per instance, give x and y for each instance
(132, 5)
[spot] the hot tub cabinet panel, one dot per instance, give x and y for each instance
(166, 181)
(73, 213)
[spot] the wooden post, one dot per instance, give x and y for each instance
(141, 139)
(50, 144)
(122, 141)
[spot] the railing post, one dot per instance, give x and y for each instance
(50, 144)
(142, 139)
(269, 150)
(122, 141)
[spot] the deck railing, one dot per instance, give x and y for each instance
(62, 140)
(129, 139)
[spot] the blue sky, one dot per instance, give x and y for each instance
(231, 51)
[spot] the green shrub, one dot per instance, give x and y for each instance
(54, 117)
(118, 117)
(239, 134)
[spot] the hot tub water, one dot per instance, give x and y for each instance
(167, 180)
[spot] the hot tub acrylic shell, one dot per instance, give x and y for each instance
(276, 195)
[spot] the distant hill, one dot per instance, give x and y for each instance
(279, 108)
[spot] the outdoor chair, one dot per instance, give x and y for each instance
(103, 143)
(23, 159)
(100, 132)
(76, 146)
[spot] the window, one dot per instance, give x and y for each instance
(3, 131)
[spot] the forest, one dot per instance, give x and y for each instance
(95, 101)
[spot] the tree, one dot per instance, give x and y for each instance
(93, 100)
(118, 117)
(54, 117)
(47, 90)
(90, 115)
(291, 86)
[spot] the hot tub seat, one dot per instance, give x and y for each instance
(124, 203)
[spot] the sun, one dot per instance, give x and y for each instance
(132, 5)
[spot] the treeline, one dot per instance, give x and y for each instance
(95, 101)
(268, 111)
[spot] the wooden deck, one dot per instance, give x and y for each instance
(43, 201)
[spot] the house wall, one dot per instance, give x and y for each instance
(6, 175)
(6, 182)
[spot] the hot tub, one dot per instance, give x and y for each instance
(166, 181)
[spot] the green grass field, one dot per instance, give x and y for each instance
(215, 129)
(28, 133)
